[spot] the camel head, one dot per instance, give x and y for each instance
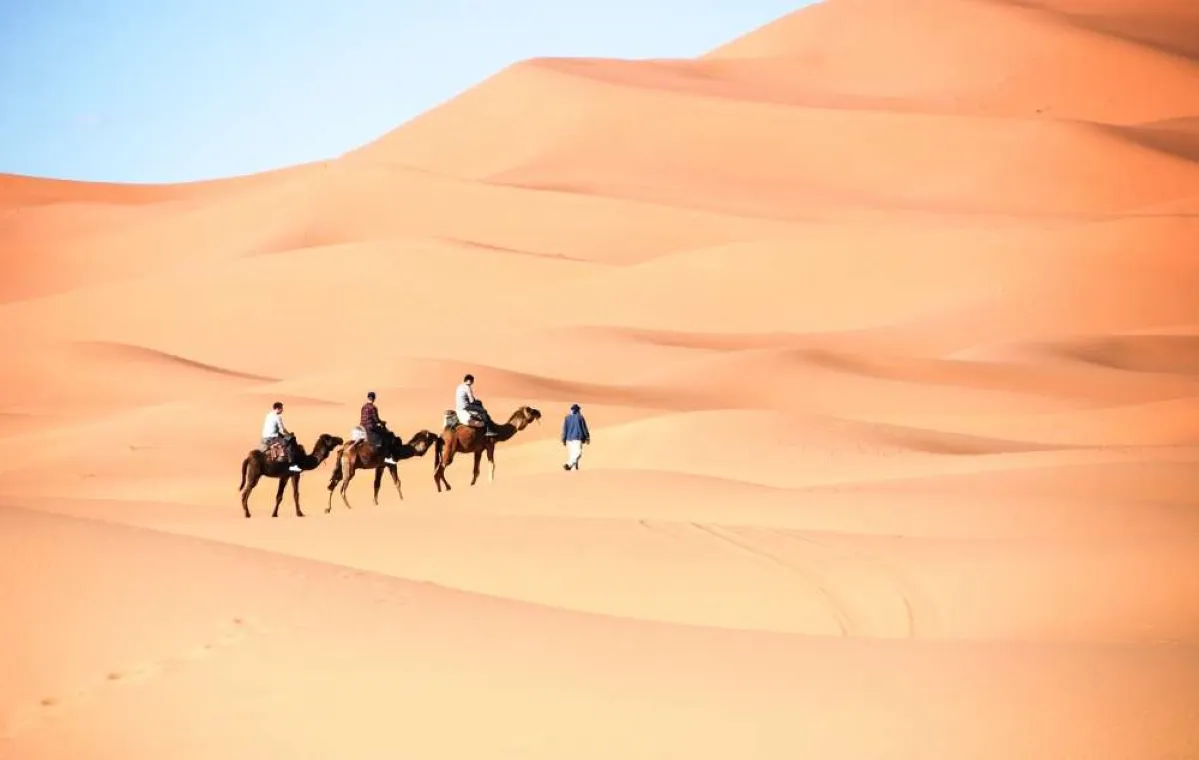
(525, 416)
(327, 443)
(424, 440)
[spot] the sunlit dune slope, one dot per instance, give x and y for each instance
(884, 318)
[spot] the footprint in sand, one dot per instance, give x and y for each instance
(50, 707)
(237, 629)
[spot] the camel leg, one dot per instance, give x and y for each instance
(279, 494)
(252, 476)
(439, 477)
(395, 478)
(438, 470)
(334, 478)
(351, 468)
(491, 463)
(295, 493)
(446, 461)
(475, 472)
(378, 482)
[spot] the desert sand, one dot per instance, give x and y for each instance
(884, 318)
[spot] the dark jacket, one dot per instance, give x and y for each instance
(574, 428)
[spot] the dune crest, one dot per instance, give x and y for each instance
(885, 321)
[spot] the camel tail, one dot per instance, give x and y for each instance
(245, 463)
(337, 474)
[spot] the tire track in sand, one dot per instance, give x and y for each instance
(900, 587)
(817, 582)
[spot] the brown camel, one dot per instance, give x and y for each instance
(457, 438)
(360, 455)
(257, 465)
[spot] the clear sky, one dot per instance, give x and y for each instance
(177, 90)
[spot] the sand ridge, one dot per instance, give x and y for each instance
(885, 320)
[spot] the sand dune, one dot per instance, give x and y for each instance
(936, 162)
(885, 320)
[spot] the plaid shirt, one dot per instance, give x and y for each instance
(369, 417)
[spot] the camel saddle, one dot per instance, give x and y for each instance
(357, 435)
(275, 451)
(359, 438)
(451, 420)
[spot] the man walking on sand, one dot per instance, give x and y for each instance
(574, 435)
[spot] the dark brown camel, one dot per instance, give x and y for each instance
(360, 455)
(256, 465)
(457, 438)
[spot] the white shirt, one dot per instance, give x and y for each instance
(273, 425)
(464, 396)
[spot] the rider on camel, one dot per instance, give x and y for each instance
(274, 430)
(377, 434)
(465, 405)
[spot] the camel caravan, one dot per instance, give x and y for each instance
(468, 429)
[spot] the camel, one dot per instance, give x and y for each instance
(457, 438)
(257, 465)
(360, 455)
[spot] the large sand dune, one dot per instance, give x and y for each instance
(885, 319)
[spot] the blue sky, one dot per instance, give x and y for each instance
(175, 90)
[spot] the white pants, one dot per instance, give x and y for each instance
(574, 451)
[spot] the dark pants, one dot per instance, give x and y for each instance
(476, 408)
(379, 438)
